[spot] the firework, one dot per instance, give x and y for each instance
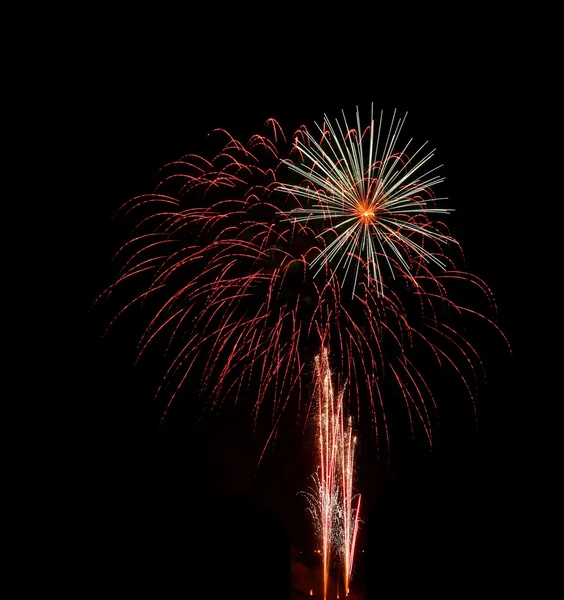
(350, 502)
(328, 436)
(243, 261)
(334, 507)
(372, 200)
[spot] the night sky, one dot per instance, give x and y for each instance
(151, 494)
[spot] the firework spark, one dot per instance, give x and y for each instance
(328, 436)
(334, 507)
(223, 251)
(350, 513)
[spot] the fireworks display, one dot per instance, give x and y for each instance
(250, 258)
(248, 262)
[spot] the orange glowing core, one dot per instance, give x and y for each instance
(366, 212)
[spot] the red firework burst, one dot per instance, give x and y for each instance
(223, 250)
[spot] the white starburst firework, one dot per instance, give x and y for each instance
(372, 199)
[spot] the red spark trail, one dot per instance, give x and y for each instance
(248, 260)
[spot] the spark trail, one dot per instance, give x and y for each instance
(334, 507)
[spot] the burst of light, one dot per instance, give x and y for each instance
(228, 283)
(370, 196)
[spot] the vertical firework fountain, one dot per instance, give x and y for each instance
(350, 515)
(328, 436)
(331, 501)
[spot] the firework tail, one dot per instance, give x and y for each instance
(328, 439)
(337, 515)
